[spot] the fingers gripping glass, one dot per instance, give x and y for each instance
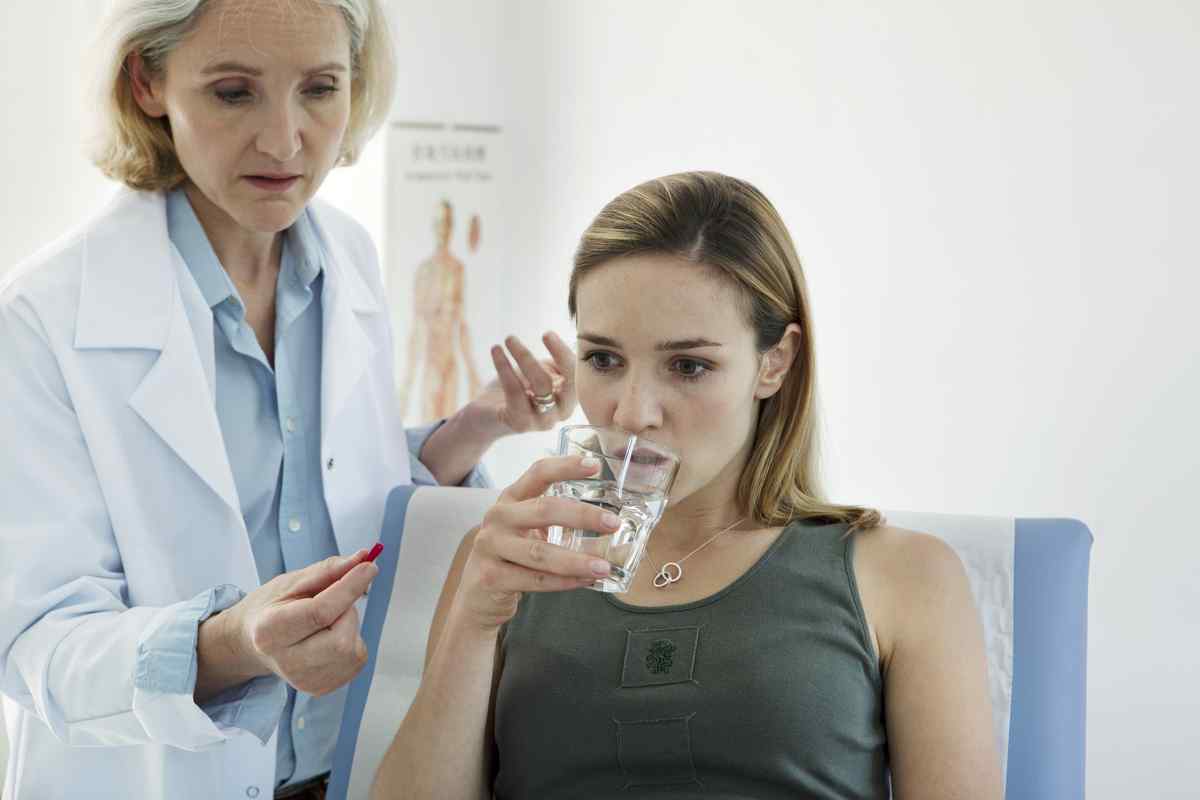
(634, 482)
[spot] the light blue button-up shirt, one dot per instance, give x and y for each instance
(270, 421)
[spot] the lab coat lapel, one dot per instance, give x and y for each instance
(347, 348)
(175, 401)
(145, 309)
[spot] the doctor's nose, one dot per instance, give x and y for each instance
(280, 135)
(638, 409)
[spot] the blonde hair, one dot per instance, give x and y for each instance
(727, 225)
(137, 149)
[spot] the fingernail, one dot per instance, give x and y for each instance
(375, 551)
(589, 462)
(600, 567)
(610, 519)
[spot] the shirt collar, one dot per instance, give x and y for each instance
(189, 238)
(305, 249)
(302, 251)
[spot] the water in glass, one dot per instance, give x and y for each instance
(638, 511)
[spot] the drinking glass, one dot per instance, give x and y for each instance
(634, 482)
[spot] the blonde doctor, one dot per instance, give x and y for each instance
(199, 422)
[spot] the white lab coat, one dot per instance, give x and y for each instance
(117, 499)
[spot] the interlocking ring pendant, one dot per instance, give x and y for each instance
(666, 577)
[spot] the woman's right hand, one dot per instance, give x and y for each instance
(510, 554)
(301, 625)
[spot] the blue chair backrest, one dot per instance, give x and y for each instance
(1048, 728)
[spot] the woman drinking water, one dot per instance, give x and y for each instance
(803, 649)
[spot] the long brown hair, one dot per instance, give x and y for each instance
(729, 226)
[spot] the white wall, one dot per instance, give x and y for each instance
(48, 184)
(996, 208)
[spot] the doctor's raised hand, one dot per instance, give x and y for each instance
(200, 428)
(535, 396)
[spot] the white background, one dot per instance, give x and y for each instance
(996, 205)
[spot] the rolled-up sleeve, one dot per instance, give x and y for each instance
(477, 478)
(167, 662)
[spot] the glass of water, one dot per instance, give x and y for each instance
(634, 482)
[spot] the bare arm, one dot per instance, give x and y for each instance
(454, 700)
(939, 719)
(444, 745)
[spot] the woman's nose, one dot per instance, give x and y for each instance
(638, 408)
(280, 135)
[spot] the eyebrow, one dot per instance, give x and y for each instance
(245, 69)
(674, 344)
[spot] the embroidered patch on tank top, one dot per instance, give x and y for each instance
(660, 656)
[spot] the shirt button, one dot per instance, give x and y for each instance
(294, 525)
(291, 424)
(251, 791)
(300, 723)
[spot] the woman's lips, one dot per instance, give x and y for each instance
(645, 457)
(273, 184)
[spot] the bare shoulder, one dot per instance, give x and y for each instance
(904, 576)
(908, 559)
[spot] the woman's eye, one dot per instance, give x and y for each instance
(690, 369)
(233, 96)
(325, 90)
(601, 360)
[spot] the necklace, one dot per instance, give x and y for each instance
(672, 571)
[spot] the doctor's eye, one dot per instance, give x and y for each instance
(233, 97)
(322, 91)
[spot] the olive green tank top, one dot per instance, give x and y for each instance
(767, 689)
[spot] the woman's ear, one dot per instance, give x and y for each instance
(147, 89)
(776, 362)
